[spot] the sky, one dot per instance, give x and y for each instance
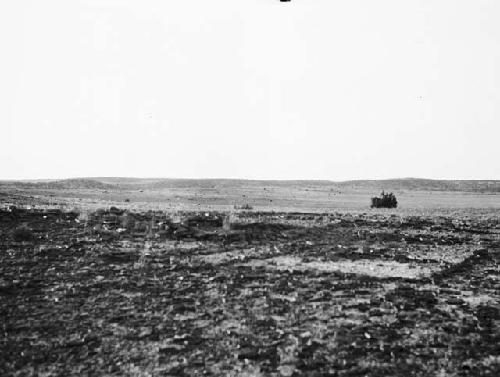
(256, 89)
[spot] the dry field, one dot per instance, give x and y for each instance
(313, 288)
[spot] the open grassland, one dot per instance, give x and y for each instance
(263, 196)
(321, 286)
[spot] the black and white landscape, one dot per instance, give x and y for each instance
(219, 188)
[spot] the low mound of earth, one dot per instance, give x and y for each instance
(397, 184)
(118, 292)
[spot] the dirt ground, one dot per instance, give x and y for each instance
(262, 197)
(249, 293)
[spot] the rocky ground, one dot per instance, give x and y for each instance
(117, 292)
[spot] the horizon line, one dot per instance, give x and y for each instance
(240, 179)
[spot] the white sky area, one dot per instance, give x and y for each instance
(258, 89)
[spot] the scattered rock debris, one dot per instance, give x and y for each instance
(116, 292)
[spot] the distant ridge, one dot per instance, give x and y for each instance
(397, 184)
(421, 184)
(68, 184)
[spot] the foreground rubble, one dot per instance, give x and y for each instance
(115, 292)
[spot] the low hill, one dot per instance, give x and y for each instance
(418, 184)
(63, 184)
(404, 184)
(407, 184)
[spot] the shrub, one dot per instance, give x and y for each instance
(116, 211)
(22, 233)
(384, 201)
(244, 206)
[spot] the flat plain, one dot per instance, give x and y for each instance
(148, 279)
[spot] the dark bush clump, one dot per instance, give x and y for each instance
(244, 206)
(385, 201)
(22, 233)
(116, 211)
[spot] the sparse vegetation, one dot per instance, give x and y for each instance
(279, 290)
(386, 200)
(22, 233)
(154, 293)
(244, 206)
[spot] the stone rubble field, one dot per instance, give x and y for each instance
(124, 293)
